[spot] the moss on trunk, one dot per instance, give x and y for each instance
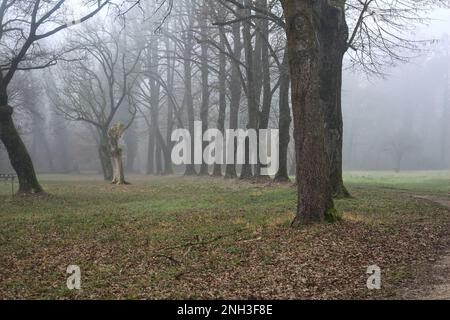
(313, 181)
(333, 34)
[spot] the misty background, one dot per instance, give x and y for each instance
(395, 121)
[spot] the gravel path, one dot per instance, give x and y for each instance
(440, 271)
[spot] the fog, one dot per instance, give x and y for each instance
(400, 120)
(397, 120)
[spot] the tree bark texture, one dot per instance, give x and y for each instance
(333, 41)
(284, 121)
(17, 152)
(315, 201)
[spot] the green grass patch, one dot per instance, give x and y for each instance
(166, 237)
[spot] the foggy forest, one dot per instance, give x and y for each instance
(93, 93)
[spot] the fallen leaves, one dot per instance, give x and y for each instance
(181, 238)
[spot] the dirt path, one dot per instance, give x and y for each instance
(440, 271)
(445, 202)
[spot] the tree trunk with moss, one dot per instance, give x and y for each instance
(17, 152)
(104, 151)
(315, 202)
(333, 40)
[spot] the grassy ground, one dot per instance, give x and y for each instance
(425, 182)
(178, 237)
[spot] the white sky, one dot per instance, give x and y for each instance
(439, 25)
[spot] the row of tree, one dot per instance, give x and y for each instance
(229, 63)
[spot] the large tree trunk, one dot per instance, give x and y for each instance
(333, 40)
(235, 90)
(284, 121)
(104, 151)
(17, 152)
(315, 202)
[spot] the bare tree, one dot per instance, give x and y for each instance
(203, 18)
(188, 44)
(154, 89)
(32, 99)
(284, 120)
(222, 83)
(97, 87)
(233, 51)
(378, 37)
(23, 25)
(400, 145)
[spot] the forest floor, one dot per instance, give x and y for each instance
(180, 237)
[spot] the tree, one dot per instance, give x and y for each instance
(333, 37)
(252, 102)
(188, 44)
(379, 37)
(315, 202)
(23, 24)
(222, 84)
(32, 99)
(97, 87)
(284, 120)
(204, 68)
(170, 101)
(115, 133)
(401, 144)
(234, 53)
(154, 88)
(269, 42)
